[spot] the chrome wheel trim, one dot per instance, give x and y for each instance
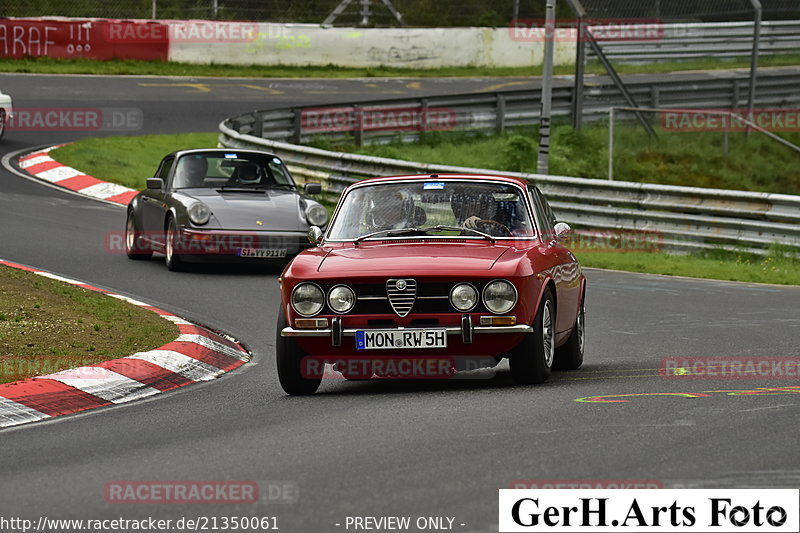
(548, 344)
(170, 244)
(581, 329)
(130, 233)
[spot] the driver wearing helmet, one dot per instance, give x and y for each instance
(191, 171)
(248, 174)
(393, 210)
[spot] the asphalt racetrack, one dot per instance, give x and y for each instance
(433, 449)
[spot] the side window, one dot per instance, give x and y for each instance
(544, 215)
(548, 211)
(166, 166)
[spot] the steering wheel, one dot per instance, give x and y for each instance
(475, 221)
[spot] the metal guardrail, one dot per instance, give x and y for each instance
(496, 112)
(707, 39)
(687, 218)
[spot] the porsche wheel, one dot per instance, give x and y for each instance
(532, 360)
(171, 247)
(570, 355)
(134, 247)
(289, 358)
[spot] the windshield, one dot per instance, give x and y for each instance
(496, 209)
(230, 169)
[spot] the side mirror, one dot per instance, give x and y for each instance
(562, 230)
(313, 188)
(314, 235)
(155, 183)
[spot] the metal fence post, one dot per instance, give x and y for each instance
(611, 144)
(359, 133)
(500, 117)
(258, 124)
(751, 97)
(542, 162)
(297, 125)
(580, 66)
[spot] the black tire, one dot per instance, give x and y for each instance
(570, 355)
(532, 360)
(172, 258)
(289, 358)
(134, 247)
(3, 119)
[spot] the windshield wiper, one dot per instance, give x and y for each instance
(388, 233)
(442, 227)
(422, 231)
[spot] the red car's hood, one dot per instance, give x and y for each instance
(405, 257)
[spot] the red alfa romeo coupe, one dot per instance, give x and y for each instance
(425, 276)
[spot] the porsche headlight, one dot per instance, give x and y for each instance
(307, 299)
(316, 215)
(499, 296)
(199, 213)
(341, 299)
(464, 297)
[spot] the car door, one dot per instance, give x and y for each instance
(153, 203)
(563, 266)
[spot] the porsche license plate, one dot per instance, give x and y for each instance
(264, 253)
(392, 339)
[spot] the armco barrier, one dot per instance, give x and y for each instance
(497, 111)
(687, 217)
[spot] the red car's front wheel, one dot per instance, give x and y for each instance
(532, 360)
(289, 358)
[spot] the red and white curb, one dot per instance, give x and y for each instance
(40, 165)
(198, 354)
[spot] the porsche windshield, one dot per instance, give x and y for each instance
(230, 169)
(496, 209)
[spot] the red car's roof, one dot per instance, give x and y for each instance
(475, 177)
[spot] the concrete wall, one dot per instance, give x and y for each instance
(252, 43)
(311, 45)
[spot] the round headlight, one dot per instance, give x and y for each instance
(316, 215)
(199, 213)
(307, 299)
(464, 297)
(341, 299)
(499, 296)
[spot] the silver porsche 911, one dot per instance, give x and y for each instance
(221, 204)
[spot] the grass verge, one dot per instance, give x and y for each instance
(48, 325)
(694, 159)
(129, 160)
(169, 68)
(780, 266)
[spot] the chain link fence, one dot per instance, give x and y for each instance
(415, 13)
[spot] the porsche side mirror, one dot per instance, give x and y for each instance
(313, 188)
(314, 235)
(562, 230)
(155, 183)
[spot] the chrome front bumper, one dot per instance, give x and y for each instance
(466, 330)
